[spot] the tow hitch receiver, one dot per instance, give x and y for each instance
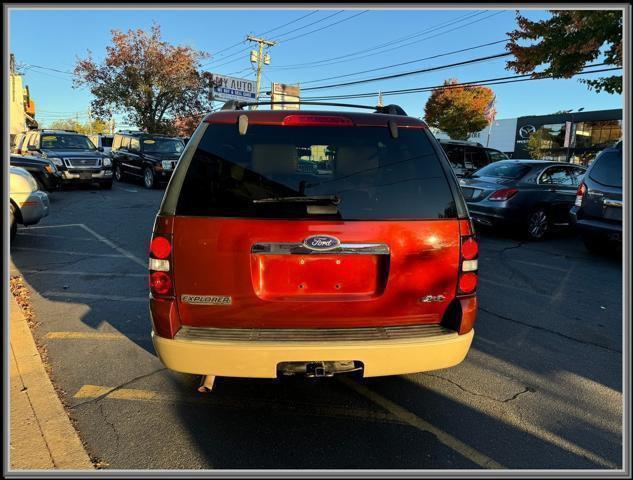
(318, 369)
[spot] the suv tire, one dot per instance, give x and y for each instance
(595, 243)
(149, 179)
(538, 223)
(118, 174)
(14, 223)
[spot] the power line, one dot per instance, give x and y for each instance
(309, 24)
(413, 72)
(407, 63)
(490, 81)
(261, 34)
(241, 42)
(293, 38)
(326, 26)
(347, 56)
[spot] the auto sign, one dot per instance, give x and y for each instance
(224, 88)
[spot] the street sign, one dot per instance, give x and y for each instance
(280, 92)
(224, 88)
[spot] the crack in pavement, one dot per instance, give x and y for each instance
(108, 422)
(118, 387)
(505, 400)
(518, 273)
(554, 332)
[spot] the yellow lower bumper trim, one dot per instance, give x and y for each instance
(260, 360)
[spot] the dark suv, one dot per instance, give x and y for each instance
(466, 157)
(597, 213)
(75, 156)
(313, 243)
(151, 158)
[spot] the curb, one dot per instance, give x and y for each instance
(43, 436)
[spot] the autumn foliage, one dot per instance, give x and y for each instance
(568, 41)
(147, 79)
(458, 111)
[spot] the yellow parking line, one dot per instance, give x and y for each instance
(88, 392)
(85, 336)
(410, 418)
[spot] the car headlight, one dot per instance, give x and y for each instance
(107, 162)
(166, 164)
(56, 161)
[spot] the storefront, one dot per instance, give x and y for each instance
(574, 137)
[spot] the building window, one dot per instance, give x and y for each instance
(601, 133)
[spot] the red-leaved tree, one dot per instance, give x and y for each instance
(147, 79)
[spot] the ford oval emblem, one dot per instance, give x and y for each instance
(322, 242)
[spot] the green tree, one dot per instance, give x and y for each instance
(95, 126)
(565, 43)
(458, 111)
(536, 143)
(147, 79)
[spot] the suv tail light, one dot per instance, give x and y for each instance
(163, 308)
(503, 194)
(317, 121)
(580, 193)
(469, 251)
(160, 266)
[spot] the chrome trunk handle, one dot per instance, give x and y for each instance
(607, 202)
(301, 249)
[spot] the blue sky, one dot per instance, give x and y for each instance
(55, 38)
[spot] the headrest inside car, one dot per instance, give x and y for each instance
(275, 159)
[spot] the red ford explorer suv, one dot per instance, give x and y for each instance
(312, 242)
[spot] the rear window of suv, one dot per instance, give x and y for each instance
(607, 168)
(369, 174)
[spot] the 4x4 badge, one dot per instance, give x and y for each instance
(207, 299)
(322, 242)
(433, 298)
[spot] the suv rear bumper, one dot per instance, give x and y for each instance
(593, 225)
(260, 359)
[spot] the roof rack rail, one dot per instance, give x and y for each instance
(130, 131)
(387, 109)
(55, 130)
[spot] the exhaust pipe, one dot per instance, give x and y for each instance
(206, 383)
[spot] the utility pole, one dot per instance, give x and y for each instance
(260, 58)
(380, 104)
(89, 120)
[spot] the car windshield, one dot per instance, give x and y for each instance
(348, 173)
(58, 141)
(503, 170)
(163, 145)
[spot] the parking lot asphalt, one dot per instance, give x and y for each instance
(541, 387)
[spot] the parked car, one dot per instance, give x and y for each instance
(151, 158)
(597, 211)
(75, 156)
(27, 205)
(466, 157)
(532, 195)
(102, 141)
(44, 171)
(16, 144)
(261, 267)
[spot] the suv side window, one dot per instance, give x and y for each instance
(125, 143)
(33, 139)
(135, 145)
(116, 143)
(476, 157)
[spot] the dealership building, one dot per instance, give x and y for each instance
(567, 136)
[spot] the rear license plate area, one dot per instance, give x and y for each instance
(318, 277)
(613, 213)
